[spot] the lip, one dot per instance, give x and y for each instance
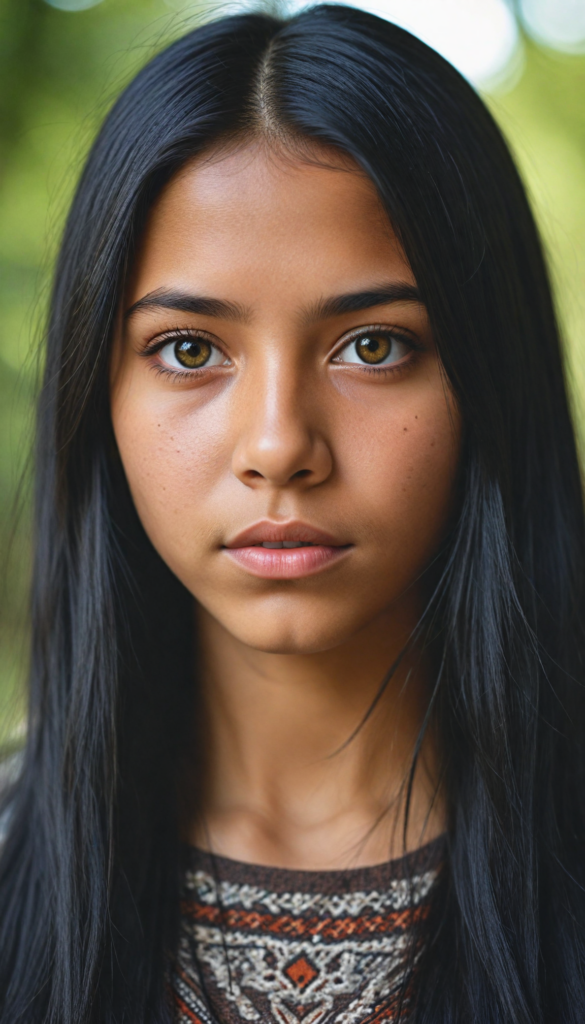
(284, 563)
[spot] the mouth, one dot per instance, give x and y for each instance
(284, 551)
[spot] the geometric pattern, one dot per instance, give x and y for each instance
(274, 946)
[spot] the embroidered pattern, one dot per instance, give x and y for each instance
(296, 947)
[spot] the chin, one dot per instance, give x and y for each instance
(281, 635)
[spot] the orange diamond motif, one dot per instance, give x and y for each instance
(301, 972)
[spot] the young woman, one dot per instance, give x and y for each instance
(307, 719)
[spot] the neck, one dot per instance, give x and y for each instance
(282, 785)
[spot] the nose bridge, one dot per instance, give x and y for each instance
(279, 440)
(282, 422)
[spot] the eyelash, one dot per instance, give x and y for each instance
(175, 334)
(390, 369)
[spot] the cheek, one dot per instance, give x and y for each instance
(414, 472)
(404, 467)
(174, 456)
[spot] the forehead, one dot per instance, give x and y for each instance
(254, 217)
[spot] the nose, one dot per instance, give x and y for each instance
(280, 443)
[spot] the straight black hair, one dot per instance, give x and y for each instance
(89, 869)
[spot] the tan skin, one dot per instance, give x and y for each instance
(262, 411)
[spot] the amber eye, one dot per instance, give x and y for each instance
(373, 348)
(192, 352)
(376, 346)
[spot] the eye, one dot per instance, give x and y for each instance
(191, 353)
(374, 348)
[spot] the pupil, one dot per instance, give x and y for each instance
(373, 349)
(192, 352)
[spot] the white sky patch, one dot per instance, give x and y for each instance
(479, 37)
(556, 23)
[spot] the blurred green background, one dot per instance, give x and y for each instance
(59, 72)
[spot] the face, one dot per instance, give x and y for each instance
(288, 436)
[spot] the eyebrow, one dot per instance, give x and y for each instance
(337, 305)
(187, 303)
(353, 302)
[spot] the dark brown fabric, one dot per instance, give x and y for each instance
(275, 946)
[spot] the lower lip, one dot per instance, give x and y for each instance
(286, 563)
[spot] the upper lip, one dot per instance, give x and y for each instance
(271, 533)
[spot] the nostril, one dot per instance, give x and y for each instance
(300, 474)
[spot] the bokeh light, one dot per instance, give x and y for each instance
(73, 5)
(559, 24)
(479, 37)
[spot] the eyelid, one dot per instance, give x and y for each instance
(163, 338)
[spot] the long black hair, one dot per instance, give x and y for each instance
(88, 873)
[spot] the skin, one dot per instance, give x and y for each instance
(285, 429)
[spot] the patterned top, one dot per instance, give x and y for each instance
(275, 946)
